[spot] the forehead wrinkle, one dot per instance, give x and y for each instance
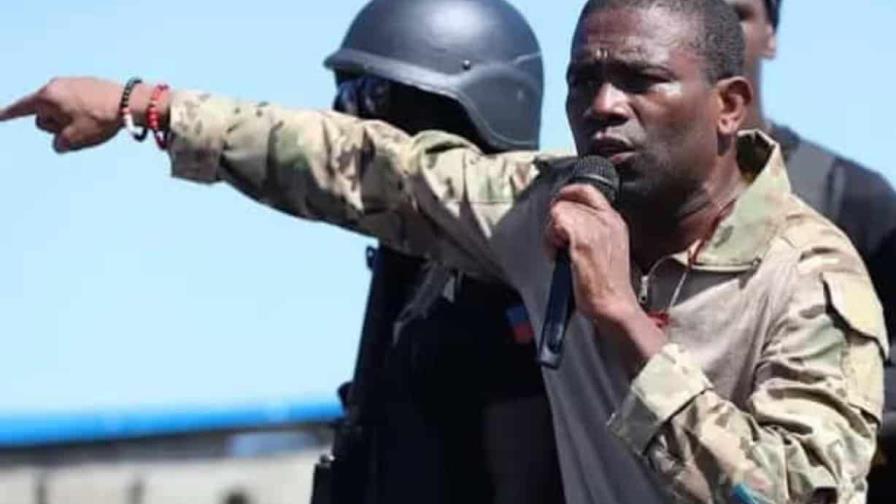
(628, 55)
(746, 4)
(634, 51)
(643, 41)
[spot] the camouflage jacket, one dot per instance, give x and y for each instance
(771, 387)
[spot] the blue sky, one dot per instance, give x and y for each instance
(120, 287)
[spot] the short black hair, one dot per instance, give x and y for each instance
(773, 8)
(721, 43)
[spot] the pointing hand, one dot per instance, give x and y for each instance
(79, 112)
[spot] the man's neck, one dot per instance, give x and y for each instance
(652, 240)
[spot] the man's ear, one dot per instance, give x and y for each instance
(735, 97)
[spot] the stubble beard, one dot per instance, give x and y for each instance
(652, 192)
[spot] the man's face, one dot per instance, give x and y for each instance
(759, 34)
(639, 96)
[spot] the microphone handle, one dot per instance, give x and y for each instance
(561, 303)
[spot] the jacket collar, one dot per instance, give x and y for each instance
(744, 236)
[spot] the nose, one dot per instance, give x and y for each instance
(609, 106)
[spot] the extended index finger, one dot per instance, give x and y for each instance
(25, 106)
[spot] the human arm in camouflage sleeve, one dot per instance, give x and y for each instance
(807, 433)
(434, 194)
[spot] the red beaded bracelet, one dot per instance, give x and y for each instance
(152, 116)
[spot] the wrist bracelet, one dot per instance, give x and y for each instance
(153, 119)
(124, 108)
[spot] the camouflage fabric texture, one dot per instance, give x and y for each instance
(771, 388)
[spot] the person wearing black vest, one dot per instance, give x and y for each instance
(447, 394)
(858, 200)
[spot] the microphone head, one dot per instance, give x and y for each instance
(600, 173)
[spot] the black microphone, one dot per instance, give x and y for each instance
(601, 174)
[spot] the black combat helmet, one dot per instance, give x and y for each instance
(480, 53)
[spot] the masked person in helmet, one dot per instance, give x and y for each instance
(461, 411)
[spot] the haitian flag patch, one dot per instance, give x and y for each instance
(518, 317)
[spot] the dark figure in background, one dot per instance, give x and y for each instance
(460, 414)
(858, 200)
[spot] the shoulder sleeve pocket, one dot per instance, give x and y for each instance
(853, 299)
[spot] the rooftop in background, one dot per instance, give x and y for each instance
(32, 430)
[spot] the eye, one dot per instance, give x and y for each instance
(583, 80)
(743, 12)
(637, 82)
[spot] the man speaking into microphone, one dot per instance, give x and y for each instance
(727, 344)
(600, 174)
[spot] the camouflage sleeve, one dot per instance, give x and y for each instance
(433, 195)
(807, 431)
